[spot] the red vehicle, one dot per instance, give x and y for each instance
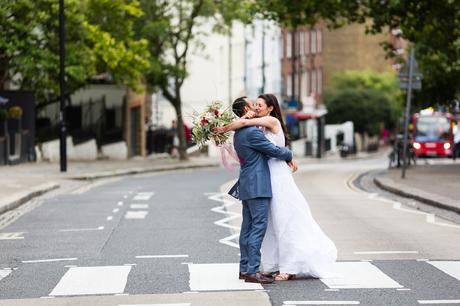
(432, 133)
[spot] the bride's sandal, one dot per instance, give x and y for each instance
(284, 277)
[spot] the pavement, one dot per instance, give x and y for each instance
(435, 182)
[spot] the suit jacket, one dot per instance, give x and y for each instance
(254, 150)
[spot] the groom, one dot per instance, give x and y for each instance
(255, 191)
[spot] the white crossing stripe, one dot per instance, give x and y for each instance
(438, 301)
(92, 280)
(450, 267)
(203, 278)
(385, 252)
(144, 196)
(136, 214)
(294, 303)
(49, 260)
(359, 275)
(139, 206)
(163, 256)
(4, 273)
(180, 304)
(11, 236)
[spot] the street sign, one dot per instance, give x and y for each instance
(417, 76)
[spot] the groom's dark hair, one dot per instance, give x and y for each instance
(238, 106)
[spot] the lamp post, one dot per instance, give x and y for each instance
(62, 123)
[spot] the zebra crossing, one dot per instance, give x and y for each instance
(113, 279)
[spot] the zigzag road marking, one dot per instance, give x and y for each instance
(225, 222)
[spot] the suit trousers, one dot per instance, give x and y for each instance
(253, 228)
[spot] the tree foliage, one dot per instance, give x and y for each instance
(365, 98)
(99, 39)
(432, 26)
(173, 29)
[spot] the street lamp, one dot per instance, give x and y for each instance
(62, 124)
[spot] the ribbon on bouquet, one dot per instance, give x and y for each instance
(225, 149)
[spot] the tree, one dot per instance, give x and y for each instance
(365, 98)
(99, 39)
(432, 26)
(173, 29)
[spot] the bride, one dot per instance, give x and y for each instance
(294, 244)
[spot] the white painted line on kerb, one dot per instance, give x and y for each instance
(92, 280)
(163, 256)
(384, 252)
(136, 214)
(139, 206)
(438, 301)
(143, 196)
(82, 229)
(450, 267)
(49, 260)
(353, 275)
(321, 303)
(203, 278)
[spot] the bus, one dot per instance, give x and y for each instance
(432, 133)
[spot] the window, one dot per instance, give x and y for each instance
(314, 80)
(288, 45)
(304, 86)
(307, 42)
(296, 85)
(288, 83)
(319, 38)
(313, 42)
(302, 42)
(320, 81)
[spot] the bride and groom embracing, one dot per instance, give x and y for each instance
(278, 231)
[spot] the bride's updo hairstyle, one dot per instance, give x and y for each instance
(271, 100)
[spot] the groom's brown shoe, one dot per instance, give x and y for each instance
(258, 278)
(242, 275)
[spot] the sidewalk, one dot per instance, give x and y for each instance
(437, 184)
(20, 183)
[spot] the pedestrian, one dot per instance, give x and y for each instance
(456, 132)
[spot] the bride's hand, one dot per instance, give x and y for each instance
(249, 115)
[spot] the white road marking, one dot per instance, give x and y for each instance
(143, 196)
(139, 206)
(100, 228)
(116, 210)
(163, 256)
(176, 304)
(125, 196)
(359, 275)
(109, 218)
(92, 280)
(49, 260)
(403, 289)
(225, 222)
(449, 267)
(203, 278)
(321, 303)
(136, 214)
(385, 252)
(120, 203)
(4, 273)
(438, 301)
(11, 236)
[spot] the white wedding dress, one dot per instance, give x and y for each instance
(294, 243)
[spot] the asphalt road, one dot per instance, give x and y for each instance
(171, 239)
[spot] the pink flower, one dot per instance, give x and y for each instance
(204, 121)
(216, 112)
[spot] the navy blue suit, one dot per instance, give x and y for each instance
(254, 189)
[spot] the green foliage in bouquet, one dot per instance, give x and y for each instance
(15, 112)
(204, 122)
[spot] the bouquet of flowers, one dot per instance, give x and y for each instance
(204, 122)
